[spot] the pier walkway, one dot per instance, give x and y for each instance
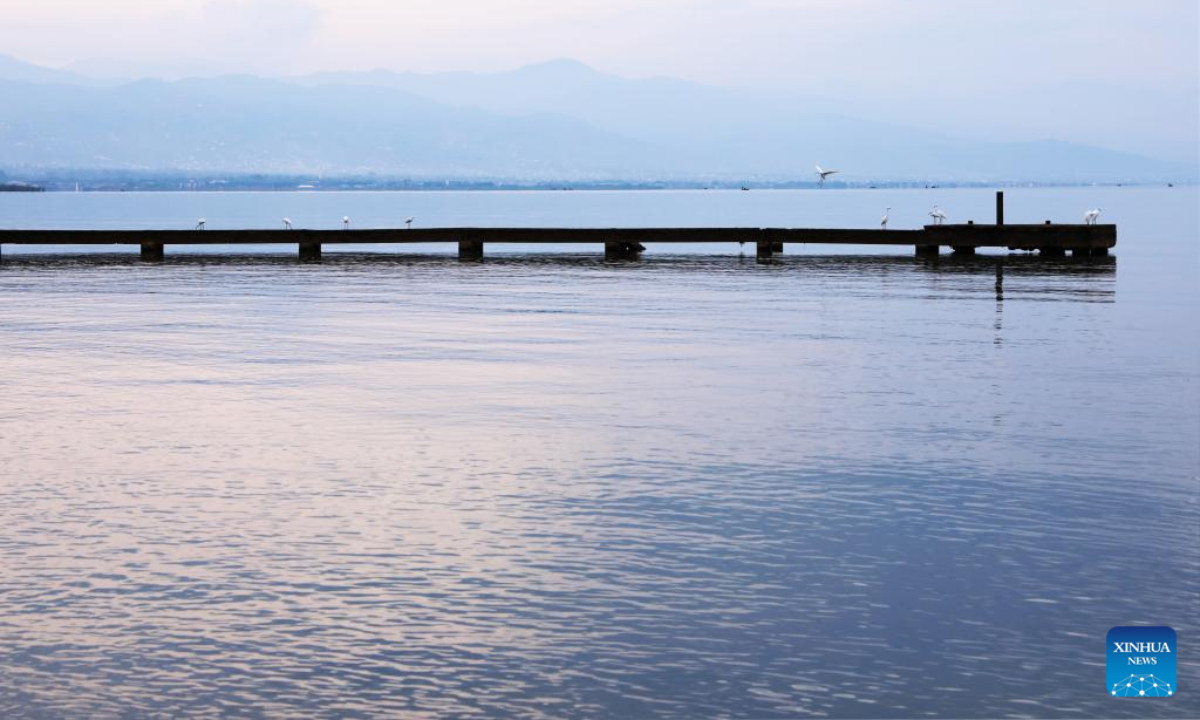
(619, 243)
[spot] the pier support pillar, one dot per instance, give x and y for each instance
(777, 247)
(623, 250)
(1099, 252)
(964, 249)
(1081, 252)
(470, 249)
(310, 251)
(152, 251)
(1052, 252)
(765, 249)
(927, 250)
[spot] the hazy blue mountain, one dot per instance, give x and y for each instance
(730, 132)
(14, 69)
(247, 124)
(1115, 113)
(555, 120)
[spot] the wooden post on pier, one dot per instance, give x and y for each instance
(470, 249)
(152, 251)
(999, 207)
(310, 251)
(623, 250)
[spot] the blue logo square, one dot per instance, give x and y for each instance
(1141, 662)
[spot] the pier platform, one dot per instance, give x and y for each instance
(618, 243)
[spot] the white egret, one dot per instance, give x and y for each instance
(200, 224)
(822, 174)
(883, 220)
(345, 222)
(938, 215)
(287, 224)
(1090, 217)
(408, 221)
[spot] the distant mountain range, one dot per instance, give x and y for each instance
(550, 121)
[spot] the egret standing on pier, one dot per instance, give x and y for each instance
(822, 174)
(1090, 217)
(883, 220)
(408, 221)
(345, 222)
(938, 215)
(287, 224)
(200, 224)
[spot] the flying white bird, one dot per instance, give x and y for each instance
(938, 215)
(408, 221)
(345, 222)
(883, 220)
(200, 224)
(822, 174)
(1089, 217)
(287, 224)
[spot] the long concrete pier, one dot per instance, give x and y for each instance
(619, 243)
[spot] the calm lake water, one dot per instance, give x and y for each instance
(848, 483)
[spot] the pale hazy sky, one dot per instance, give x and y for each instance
(926, 61)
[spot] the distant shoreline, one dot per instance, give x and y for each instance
(64, 183)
